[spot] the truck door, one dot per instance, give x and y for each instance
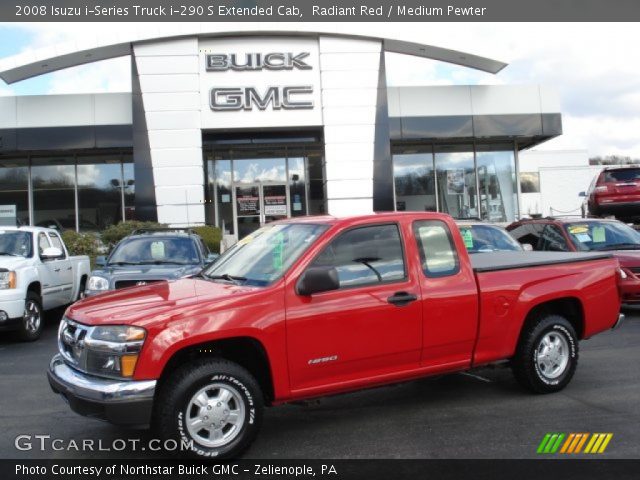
(370, 326)
(449, 296)
(64, 269)
(49, 279)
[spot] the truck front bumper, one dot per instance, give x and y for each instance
(11, 309)
(121, 402)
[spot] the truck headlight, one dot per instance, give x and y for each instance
(113, 350)
(7, 280)
(98, 283)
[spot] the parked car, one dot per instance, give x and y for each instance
(572, 234)
(150, 256)
(36, 274)
(615, 191)
(315, 306)
(480, 237)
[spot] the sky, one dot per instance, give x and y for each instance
(594, 67)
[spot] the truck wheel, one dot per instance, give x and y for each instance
(32, 324)
(213, 406)
(547, 355)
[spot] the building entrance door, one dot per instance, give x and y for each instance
(257, 204)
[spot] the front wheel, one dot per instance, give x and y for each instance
(213, 407)
(547, 355)
(32, 321)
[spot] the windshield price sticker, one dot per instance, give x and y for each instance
(467, 236)
(599, 234)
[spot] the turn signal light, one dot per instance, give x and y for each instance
(128, 365)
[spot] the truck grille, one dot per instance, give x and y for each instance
(134, 283)
(71, 337)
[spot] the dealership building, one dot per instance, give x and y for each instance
(238, 128)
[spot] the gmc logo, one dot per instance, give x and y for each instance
(280, 98)
(221, 62)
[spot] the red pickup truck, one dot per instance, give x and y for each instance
(316, 306)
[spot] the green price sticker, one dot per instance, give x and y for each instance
(278, 252)
(598, 234)
(467, 237)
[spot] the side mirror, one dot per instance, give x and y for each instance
(51, 253)
(582, 194)
(527, 247)
(318, 279)
(101, 261)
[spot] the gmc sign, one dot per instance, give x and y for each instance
(289, 97)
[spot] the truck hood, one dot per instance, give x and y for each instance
(155, 303)
(11, 263)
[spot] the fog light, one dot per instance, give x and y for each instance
(3, 316)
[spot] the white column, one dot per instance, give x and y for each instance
(169, 81)
(349, 78)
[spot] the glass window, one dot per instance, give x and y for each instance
(263, 256)
(552, 240)
(14, 242)
(365, 256)
(297, 186)
(437, 250)
(221, 179)
(56, 242)
(414, 180)
(255, 170)
(317, 195)
(455, 168)
(497, 180)
(99, 192)
(43, 242)
(487, 238)
(53, 181)
(129, 185)
(154, 250)
(622, 175)
(528, 233)
(603, 235)
(530, 182)
(14, 191)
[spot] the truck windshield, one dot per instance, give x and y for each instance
(15, 244)
(595, 235)
(155, 251)
(486, 238)
(264, 256)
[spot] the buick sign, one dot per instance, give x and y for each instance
(286, 97)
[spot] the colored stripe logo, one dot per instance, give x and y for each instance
(574, 443)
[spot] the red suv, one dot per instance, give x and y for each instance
(615, 191)
(587, 234)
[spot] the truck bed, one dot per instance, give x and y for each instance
(490, 262)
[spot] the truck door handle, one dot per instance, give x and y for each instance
(69, 268)
(401, 298)
(56, 269)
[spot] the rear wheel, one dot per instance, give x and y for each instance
(213, 406)
(32, 321)
(547, 355)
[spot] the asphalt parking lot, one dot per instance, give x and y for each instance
(480, 414)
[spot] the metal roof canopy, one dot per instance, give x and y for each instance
(50, 59)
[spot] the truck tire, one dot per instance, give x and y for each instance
(547, 355)
(32, 322)
(211, 390)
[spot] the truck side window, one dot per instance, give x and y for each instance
(438, 254)
(552, 240)
(56, 242)
(43, 242)
(365, 256)
(528, 233)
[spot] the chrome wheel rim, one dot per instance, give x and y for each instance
(32, 316)
(215, 415)
(552, 355)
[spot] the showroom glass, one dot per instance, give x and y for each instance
(595, 235)
(150, 250)
(13, 243)
(365, 256)
(530, 182)
(99, 192)
(455, 169)
(129, 187)
(297, 186)
(487, 238)
(266, 254)
(254, 170)
(497, 182)
(437, 251)
(54, 203)
(14, 179)
(414, 180)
